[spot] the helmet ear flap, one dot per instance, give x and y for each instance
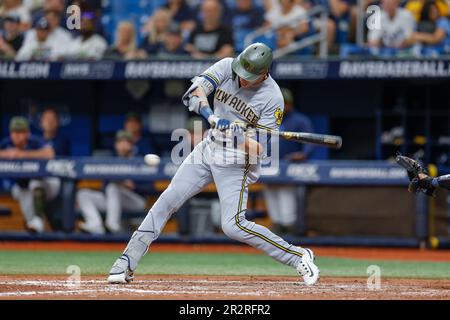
(234, 75)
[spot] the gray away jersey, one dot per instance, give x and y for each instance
(261, 106)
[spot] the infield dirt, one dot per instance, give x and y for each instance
(218, 287)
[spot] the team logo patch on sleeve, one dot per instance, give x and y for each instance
(278, 116)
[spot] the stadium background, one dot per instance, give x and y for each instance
(367, 99)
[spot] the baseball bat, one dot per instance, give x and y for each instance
(324, 140)
(311, 138)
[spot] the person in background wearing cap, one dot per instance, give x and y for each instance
(17, 8)
(31, 193)
(117, 196)
(88, 45)
(143, 143)
(173, 44)
(284, 202)
(39, 45)
(50, 132)
(12, 38)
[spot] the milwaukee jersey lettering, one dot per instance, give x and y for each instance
(261, 106)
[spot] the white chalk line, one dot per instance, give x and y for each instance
(126, 290)
(194, 286)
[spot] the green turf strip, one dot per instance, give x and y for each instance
(98, 263)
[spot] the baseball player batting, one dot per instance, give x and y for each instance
(244, 92)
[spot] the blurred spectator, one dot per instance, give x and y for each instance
(285, 203)
(15, 7)
(211, 38)
(246, 16)
(285, 36)
(32, 194)
(354, 15)
(397, 26)
(125, 44)
(142, 142)
(294, 121)
(339, 20)
(286, 13)
(289, 19)
(11, 39)
(38, 45)
(88, 45)
(156, 30)
(182, 14)
(50, 132)
(117, 196)
(57, 33)
(416, 7)
(56, 6)
(33, 5)
(433, 31)
(173, 43)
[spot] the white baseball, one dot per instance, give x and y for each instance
(152, 159)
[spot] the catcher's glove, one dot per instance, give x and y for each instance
(413, 169)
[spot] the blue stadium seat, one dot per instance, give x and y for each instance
(349, 49)
(110, 123)
(239, 35)
(131, 6)
(342, 29)
(268, 39)
(156, 4)
(230, 3)
(108, 27)
(258, 3)
(106, 6)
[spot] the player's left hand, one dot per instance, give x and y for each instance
(418, 177)
(223, 124)
(219, 123)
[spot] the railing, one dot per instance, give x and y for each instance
(320, 37)
(360, 19)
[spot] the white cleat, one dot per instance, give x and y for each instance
(307, 269)
(91, 229)
(120, 272)
(36, 224)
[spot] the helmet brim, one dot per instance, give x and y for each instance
(242, 73)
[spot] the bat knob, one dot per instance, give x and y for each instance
(338, 143)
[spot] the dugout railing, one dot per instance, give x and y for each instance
(373, 176)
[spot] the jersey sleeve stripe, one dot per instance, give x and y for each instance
(213, 77)
(210, 80)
